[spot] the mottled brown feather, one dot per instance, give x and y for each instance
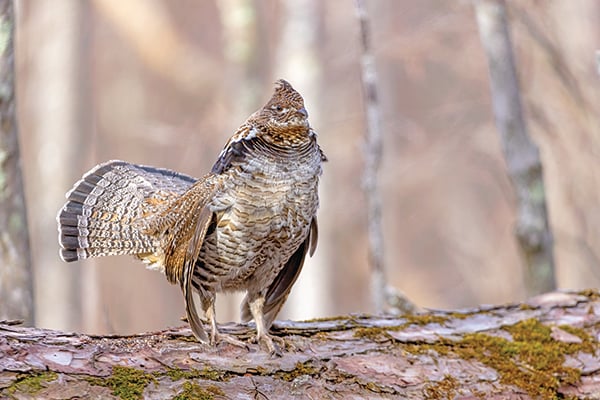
(246, 226)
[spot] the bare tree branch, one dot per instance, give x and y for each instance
(16, 282)
(521, 154)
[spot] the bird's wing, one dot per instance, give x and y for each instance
(205, 218)
(236, 148)
(180, 224)
(183, 226)
(281, 286)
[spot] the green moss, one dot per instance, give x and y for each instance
(425, 319)
(373, 333)
(463, 315)
(300, 369)
(447, 388)
(532, 360)
(177, 374)
(214, 389)
(327, 319)
(125, 382)
(526, 307)
(31, 383)
(374, 387)
(191, 339)
(381, 333)
(193, 391)
(588, 344)
(321, 335)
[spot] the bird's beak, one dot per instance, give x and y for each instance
(303, 112)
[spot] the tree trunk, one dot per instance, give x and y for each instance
(298, 60)
(521, 154)
(56, 149)
(543, 349)
(385, 298)
(372, 152)
(16, 283)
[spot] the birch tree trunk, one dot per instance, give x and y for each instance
(521, 154)
(16, 282)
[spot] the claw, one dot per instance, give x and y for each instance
(272, 344)
(224, 338)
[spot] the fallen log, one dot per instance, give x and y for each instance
(542, 349)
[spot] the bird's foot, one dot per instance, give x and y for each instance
(218, 338)
(272, 344)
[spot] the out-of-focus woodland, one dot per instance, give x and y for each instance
(166, 82)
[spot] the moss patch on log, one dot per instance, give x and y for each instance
(533, 360)
(300, 369)
(206, 373)
(193, 391)
(447, 388)
(125, 382)
(30, 383)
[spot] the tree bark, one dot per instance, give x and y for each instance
(545, 348)
(16, 281)
(521, 153)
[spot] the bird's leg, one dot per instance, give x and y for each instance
(211, 315)
(263, 338)
(215, 335)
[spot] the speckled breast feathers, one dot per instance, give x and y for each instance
(245, 226)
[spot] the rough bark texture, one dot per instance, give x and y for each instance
(545, 348)
(16, 284)
(521, 153)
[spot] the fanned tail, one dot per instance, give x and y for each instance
(104, 209)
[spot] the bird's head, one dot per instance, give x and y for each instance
(281, 124)
(284, 115)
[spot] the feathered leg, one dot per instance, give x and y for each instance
(208, 306)
(263, 338)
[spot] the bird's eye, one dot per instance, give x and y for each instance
(278, 108)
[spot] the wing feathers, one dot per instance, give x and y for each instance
(281, 286)
(193, 249)
(184, 223)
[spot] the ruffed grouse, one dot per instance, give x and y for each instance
(245, 226)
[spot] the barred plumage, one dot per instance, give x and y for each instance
(246, 226)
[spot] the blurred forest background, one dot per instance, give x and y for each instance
(166, 83)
